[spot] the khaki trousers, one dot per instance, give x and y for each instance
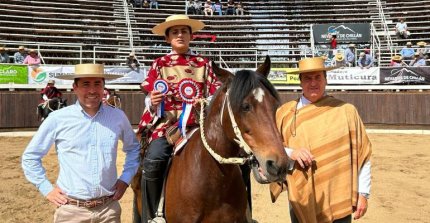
(106, 213)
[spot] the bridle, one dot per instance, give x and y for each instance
(239, 139)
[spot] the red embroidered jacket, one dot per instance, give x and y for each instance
(173, 68)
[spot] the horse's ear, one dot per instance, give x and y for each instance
(221, 74)
(264, 69)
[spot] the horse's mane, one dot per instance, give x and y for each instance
(244, 82)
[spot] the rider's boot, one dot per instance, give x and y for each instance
(152, 185)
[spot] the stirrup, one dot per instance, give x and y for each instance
(157, 220)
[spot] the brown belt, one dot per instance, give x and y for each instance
(90, 203)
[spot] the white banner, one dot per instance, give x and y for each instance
(353, 75)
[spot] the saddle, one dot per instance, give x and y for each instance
(175, 138)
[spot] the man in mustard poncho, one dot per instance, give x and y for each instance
(329, 177)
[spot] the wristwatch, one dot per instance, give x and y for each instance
(366, 195)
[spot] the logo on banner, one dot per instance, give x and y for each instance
(404, 75)
(38, 74)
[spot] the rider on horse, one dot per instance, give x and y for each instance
(172, 85)
(48, 93)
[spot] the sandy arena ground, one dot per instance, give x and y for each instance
(400, 190)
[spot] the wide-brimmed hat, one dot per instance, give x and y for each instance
(421, 43)
(362, 54)
(89, 70)
(21, 48)
(2, 49)
(409, 44)
(32, 51)
(312, 64)
(351, 45)
(51, 81)
(131, 55)
(396, 58)
(177, 20)
(339, 57)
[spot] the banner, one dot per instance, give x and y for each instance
(130, 76)
(283, 76)
(353, 75)
(345, 32)
(42, 74)
(11, 73)
(405, 75)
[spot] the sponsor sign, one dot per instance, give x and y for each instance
(283, 76)
(42, 74)
(11, 73)
(353, 75)
(405, 75)
(345, 32)
(130, 76)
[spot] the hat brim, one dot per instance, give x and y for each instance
(195, 25)
(312, 70)
(73, 76)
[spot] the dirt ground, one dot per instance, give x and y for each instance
(400, 185)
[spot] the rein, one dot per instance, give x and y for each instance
(49, 107)
(239, 139)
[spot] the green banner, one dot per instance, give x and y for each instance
(11, 73)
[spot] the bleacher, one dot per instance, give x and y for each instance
(105, 31)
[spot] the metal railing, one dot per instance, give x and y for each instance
(376, 43)
(127, 20)
(384, 26)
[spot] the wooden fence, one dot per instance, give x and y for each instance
(18, 108)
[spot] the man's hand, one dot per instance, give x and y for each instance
(119, 188)
(57, 197)
(303, 157)
(156, 98)
(361, 207)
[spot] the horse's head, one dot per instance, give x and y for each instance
(252, 101)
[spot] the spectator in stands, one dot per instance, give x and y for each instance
(333, 45)
(4, 57)
(418, 61)
(198, 7)
(339, 60)
(422, 50)
(230, 8)
(239, 8)
(407, 52)
(32, 59)
(396, 61)
(208, 8)
(153, 3)
(190, 7)
(180, 64)
(145, 4)
(218, 8)
(20, 56)
(402, 29)
(350, 55)
(365, 60)
(132, 61)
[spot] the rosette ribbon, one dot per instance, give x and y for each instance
(188, 90)
(161, 86)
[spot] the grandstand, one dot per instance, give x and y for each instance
(68, 32)
(75, 31)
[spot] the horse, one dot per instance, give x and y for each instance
(114, 101)
(49, 106)
(204, 182)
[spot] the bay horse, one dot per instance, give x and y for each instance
(204, 183)
(44, 109)
(114, 101)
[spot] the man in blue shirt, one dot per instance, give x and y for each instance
(350, 55)
(407, 52)
(365, 60)
(86, 138)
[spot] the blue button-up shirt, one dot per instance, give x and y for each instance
(349, 56)
(365, 61)
(407, 52)
(87, 151)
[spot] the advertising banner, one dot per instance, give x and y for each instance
(405, 75)
(130, 76)
(11, 73)
(353, 75)
(345, 32)
(283, 76)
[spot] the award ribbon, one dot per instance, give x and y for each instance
(188, 90)
(161, 86)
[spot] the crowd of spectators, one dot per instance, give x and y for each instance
(196, 7)
(20, 56)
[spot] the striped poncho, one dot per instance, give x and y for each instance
(335, 135)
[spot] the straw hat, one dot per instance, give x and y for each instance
(312, 64)
(21, 48)
(89, 70)
(51, 81)
(351, 45)
(339, 57)
(421, 43)
(2, 49)
(408, 44)
(131, 55)
(362, 54)
(32, 51)
(177, 20)
(396, 58)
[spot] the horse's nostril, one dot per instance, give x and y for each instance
(274, 169)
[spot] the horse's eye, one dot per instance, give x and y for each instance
(246, 107)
